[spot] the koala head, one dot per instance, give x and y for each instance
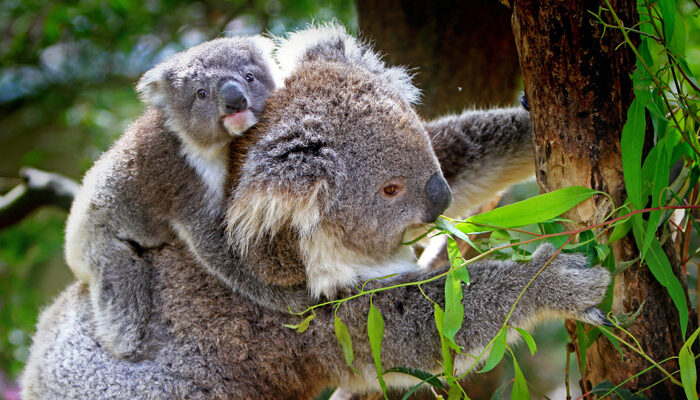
(212, 91)
(344, 161)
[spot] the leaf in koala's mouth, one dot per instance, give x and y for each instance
(239, 122)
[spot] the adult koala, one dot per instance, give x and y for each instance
(341, 167)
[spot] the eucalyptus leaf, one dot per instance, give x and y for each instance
(660, 267)
(375, 331)
(686, 360)
(454, 310)
(456, 260)
(343, 335)
(535, 209)
(498, 350)
(632, 142)
(520, 390)
(529, 340)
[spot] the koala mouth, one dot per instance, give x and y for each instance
(239, 122)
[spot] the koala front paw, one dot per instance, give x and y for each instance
(570, 287)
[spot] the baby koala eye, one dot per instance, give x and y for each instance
(249, 78)
(201, 94)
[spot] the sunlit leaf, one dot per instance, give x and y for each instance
(303, 325)
(456, 260)
(454, 310)
(529, 340)
(686, 360)
(375, 331)
(535, 209)
(498, 350)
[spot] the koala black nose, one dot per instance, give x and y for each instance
(439, 197)
(233, 97)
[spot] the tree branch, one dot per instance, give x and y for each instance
(38, 189)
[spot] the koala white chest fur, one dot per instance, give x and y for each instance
(340, 167)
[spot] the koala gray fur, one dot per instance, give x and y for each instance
(325, 148)
(165, 178)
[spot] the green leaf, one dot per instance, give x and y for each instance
(659, 183)
(455, 392)
(660, 267)
(442, 223)
(620, 230)
(425, 377)
(456, 260)
(632, 142)
(454, 310)
(548, 228)
(520, 390)
(528, 339)
(303, 325)
(375, 331)
(498, 350)
(677, 43)
(668, 14)
(535, 209)
(686, 360)
(582, 345)
(444, 343)
(343, 335)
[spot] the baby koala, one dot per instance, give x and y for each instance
(164, 179)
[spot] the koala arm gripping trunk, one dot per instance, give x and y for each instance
(565, 288)
(482, 152)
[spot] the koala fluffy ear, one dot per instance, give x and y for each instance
(151, 86)
(267, 48)
(286, 181)
(331, 42)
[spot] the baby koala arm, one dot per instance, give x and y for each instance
(482, 152)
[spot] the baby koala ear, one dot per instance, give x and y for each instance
(332, 42)
(151, 86)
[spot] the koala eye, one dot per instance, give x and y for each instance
(201, 94)
(391, 189)
(249, 78)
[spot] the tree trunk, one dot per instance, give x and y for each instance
(459, 63)
(579, 89)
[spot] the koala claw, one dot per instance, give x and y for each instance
(594, 316)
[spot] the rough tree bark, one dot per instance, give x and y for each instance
(578, 86)
(464, 51)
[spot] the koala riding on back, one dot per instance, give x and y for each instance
(165, 178)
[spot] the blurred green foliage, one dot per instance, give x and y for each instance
(67, 71)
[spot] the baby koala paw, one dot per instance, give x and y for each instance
(570, 288)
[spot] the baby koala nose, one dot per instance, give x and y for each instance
(233, 97)
(439, 197)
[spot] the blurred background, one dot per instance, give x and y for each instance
(67, 73)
